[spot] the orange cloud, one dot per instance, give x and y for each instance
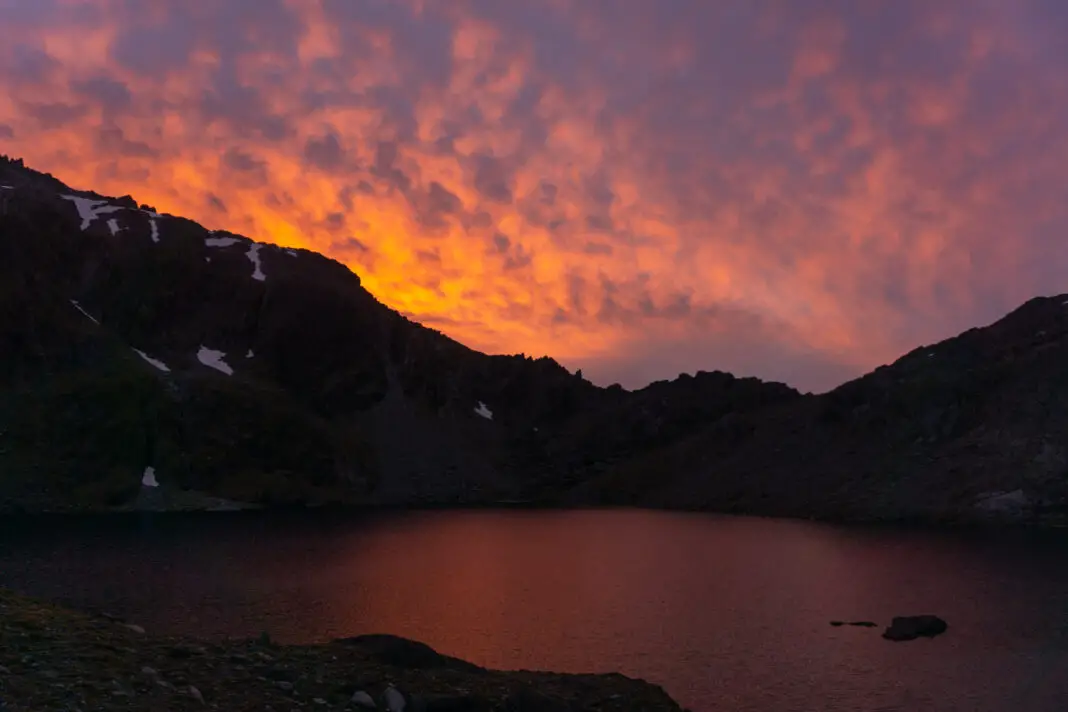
(798, 191)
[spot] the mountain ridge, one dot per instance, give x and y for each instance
(199, 326)
(241, 373)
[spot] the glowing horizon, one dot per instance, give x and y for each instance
(799, 192)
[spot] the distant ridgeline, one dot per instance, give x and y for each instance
(148, 362)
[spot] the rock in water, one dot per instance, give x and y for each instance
(912, 627)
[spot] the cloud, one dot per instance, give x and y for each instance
(795, 190)
(102, 91)
(324, 152)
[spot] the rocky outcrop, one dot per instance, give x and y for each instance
(56, 659)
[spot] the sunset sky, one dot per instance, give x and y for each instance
(799, 190)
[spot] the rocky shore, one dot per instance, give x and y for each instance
(52, 658)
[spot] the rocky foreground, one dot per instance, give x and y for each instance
(52, 658)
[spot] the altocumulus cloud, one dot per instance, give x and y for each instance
(796, 190)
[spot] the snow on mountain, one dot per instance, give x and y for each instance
(214, 359)
(90, 209)
(148, 479)
(220, 241)
(89, 316)
(155, 363)
(253, 255)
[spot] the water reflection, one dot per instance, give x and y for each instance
(726, 613)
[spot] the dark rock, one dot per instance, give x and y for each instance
(528, 700)
(280, 673)
(403, 653)
(912, 627)
(452, 703)
(182, 652)
(363, 700)
(393, 700)
(193, 692)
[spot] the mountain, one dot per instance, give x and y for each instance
(972, 428)
(147, 362)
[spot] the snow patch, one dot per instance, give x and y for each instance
(88, 316)
(214, 359)
(114, 226)
(253, 255)
(7, 187)
(89, 209)
(484, 411)
(149, 478)
(155, 363)
(155, 230)
(291, 253)
(250, 354)
(151, 214)
(220, 241)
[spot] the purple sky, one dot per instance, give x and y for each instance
(794, 190)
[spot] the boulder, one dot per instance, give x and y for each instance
(403, 653)
(393, 700)
(912, 627)
(363, 700)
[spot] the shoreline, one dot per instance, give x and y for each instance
(55, 658)
(974, 522)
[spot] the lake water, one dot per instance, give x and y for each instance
(726, 613)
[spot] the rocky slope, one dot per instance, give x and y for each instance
(147, 361)
(56, 659)
(972, 428)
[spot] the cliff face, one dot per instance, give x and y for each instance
(142, 348)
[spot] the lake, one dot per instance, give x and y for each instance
(726, 613)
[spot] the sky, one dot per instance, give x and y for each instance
(799, 191)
